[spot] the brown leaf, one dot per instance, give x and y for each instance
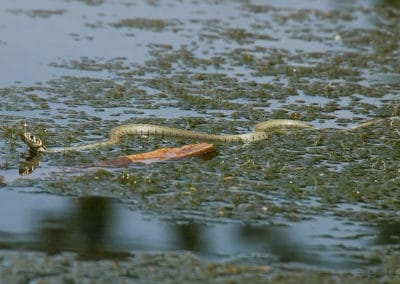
(163, 154)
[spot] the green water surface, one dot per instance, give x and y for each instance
(320, 205)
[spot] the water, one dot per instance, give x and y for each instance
(97, 227)
(324, 201)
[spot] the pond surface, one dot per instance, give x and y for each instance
(300, 205)
(98, 227)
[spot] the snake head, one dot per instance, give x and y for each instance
(33, 142)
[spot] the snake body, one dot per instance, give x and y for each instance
(261, 132)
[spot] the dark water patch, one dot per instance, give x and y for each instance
(101, 228)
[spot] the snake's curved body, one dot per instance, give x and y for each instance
(261, 132)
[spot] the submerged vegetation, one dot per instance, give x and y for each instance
(332, 66)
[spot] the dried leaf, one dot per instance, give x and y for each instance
(163, 154)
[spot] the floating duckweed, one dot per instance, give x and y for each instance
(143, 23)
(223, 75)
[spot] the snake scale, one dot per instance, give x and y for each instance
(261, 132)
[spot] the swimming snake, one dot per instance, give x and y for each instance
(261, 131)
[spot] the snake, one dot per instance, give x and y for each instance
(261, 131)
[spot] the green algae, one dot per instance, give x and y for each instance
(143, 23)
(229, 87)
(40, 13)
(339, 171)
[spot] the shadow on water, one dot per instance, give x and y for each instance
(102, 228)
(388, 3)
(56, 225)
(389, 233)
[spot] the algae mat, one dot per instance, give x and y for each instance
(300, 205)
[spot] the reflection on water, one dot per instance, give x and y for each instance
(83, 229)
(99, 228)
(387, 3)
(389, 233)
